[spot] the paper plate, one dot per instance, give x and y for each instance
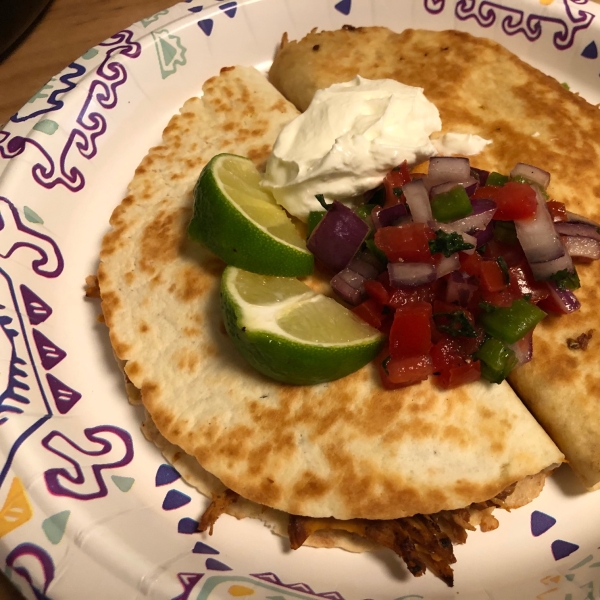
(88, 507)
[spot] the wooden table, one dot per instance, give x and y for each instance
(64, 32)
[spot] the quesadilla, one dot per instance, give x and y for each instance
(341, 455)
(481, 88)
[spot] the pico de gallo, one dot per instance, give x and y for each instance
(456, 266)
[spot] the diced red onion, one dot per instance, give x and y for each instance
(389, 216)
(543, 270)
(417, 199)
(575, 218)
(531, 173)
(366, 265)
(448, 264)
(338, 237)
(411, 274)
(460, 288)
(470, 184)
(538, 238)
(582, 247)
(483, 237)
(447, 168)
(483, 211)
(566, 299)
(577, 229)
(480, 175)
(349, 285)
(523, 349)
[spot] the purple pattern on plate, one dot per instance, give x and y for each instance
(206, 25)
(56, 479)
(45, 561)
(590, 51)
(562, 549)
(14, 234)
(229, 8)
(53, 103)
(515, 21)
(212, 564)
(65, 397)
(303, 587)
(187, 525)
(541, 522)
(91, 124)
(23, 402)
(49, 352)
(166, 474)
(344, 6)
(37, 310)
(175, 499)
(202, 548)
(188, 581)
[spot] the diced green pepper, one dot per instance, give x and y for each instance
(314, 218)
(379, 254)
(505, 232)
(496, 179)
(497, 360)
(511, 323)
(451, 205)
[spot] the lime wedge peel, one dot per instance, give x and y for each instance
(290, 333)
(242, 224)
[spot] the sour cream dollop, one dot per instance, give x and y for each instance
(348, 139)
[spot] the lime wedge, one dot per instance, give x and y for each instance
(241, 222)
(290, 333)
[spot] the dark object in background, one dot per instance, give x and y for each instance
(15, 17)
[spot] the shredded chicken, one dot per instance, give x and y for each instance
(421, 541)
(220, 503)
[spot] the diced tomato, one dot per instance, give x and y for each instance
(486, 192)
(446, 353)
(408, 370)
(377, 290)
(393, 183)
(515, 201)
(408, 242)
(491, 277)
(410, 334)
(403, 296)
(557, 210)
(370, 311)
(522, 277)
(512, 253)
(470, 263)
(459, 375)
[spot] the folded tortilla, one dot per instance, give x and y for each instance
(481, 88)
(346, 449)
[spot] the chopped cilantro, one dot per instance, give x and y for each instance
(504, 268)
(398, 192)
(448, 243)
(322, 202)
(566, 85)
(455, 323)
(566, 279)
(384, 364)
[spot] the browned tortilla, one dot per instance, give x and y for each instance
(480, 87)
(347, 449)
